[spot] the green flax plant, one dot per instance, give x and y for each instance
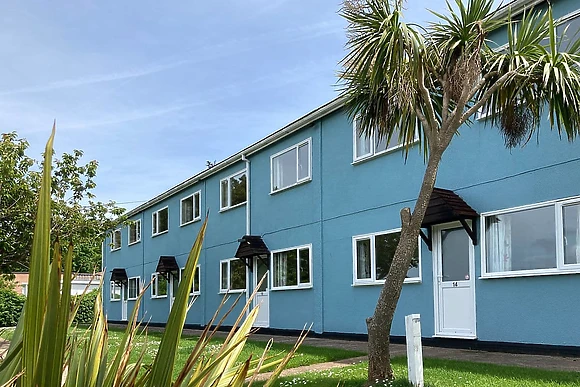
(47, 350)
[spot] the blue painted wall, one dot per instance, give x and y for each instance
(345, 199)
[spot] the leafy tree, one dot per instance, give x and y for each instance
(76, 216)
(400, 78)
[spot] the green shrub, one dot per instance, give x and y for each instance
(86, 309)
(11, 304)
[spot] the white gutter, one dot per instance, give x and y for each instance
(292, 127)
(516, 7)
(248, 201)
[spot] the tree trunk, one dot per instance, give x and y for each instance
(379, 325)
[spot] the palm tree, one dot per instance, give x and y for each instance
(402, 79)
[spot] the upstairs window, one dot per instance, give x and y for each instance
(190, 208)
(158, 285)
(291, 268)
(290, 167)
(366, 146)
(232, 275)
(116, 240)
(233, 191)
(373, 255)
(160, 221)
(135, 232)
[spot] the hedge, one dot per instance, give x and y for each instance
(86, 308)
(11, 304)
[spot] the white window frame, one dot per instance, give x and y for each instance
(560, 268)
(300, 285)
(138, 278)
(372, 154)
(373, 280)
(229, 206)
(229, 290)
(114, 240)
(112, 288)
(306, 179)
(135, 223)
(153, 234)
(155, 286)
(193, 292)
(194, 219)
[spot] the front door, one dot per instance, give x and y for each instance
(453, 263)
(263, 294)
(124, 298)
(173, 286)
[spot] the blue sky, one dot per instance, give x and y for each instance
(153, 89)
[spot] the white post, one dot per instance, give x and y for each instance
(414, 349)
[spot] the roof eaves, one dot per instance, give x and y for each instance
(516, 7)
(292, 127)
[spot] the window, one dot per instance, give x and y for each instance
(134, 232)
(134, 288)
(291, 166)
(160, 221)
(116, 240)
(568, 30)
(291, 268)
(531, 240)
(368, 146)
(233, 191)
(115, 291)
(195, 287)
(232, 275)
(190, 208)
(373, 255)
(158, 285)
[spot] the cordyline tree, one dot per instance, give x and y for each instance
(401, 78)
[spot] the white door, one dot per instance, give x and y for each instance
(263, 293)
(454, 270)
(124, 298)
(173, 286)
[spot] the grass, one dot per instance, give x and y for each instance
(440, 373)
(305, 355)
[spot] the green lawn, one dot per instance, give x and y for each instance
(305, 355)
(441, 373)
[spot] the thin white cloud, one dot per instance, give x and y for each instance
(83, 81)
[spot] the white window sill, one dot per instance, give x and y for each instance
(231, 291)
(133, 243)
(299, 287)
(156, 297)
(190, 222)
(159, 233)
(535, 273)
(378, 283)
(368, 157)
(194, 294)
(117, 249)
(307, 180)
(232, 207)
(132, 299)
(115, 300)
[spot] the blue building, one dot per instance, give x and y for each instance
(317, 207)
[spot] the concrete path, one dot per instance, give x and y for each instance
(556, 363)
(314, 367)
